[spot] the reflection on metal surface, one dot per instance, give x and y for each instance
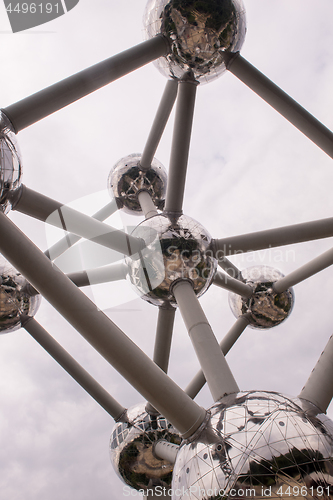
(199, 32)
(10, 163)
(131, 449)
(126, 180)
(177, 248)
(258, 445)
(14, 301)
(265, 307)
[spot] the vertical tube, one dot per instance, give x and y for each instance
(217, 372)
(147, 204)
(72, 367)
(180, 146)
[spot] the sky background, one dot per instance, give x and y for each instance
(248, 170)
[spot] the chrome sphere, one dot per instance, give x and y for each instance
(265, 308)
(127, 179)
(131, 449)
(176, 248)
(258, 445)
(10, 163)
(14, 299)
(198, 32)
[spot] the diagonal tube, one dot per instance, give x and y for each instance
(147, 204)
(217, 372)
(319, 387)
(224, 281)
(70, 239)
(281, 102)
(126, 357)
(47, 210)
(313, 267)
(103, 274)
(73, 368)
(30, 110)
(197, 383)
(297, 233)
(159, 124)
(230, 268)
(180, 145)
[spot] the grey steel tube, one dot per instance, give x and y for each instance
(165, 450)
(197, 383)
(281, 102)
(313, 267)
(147, 204)
(30, 110)
(180, 146)
(133, 364)
(224, 281)
(70, 239)
(319, 387)
(217, 372)
(47, 210)
(230, 268)
(74, 369)
(297, 233)
(164, 330)
(160, 121)
(103, 274)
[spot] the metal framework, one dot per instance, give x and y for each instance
(62, 291)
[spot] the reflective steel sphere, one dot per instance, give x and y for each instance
(14, 300)
(177, 248)
(131, 449)
(265, 307)
(126, 179)
(258, 445)
(198, 32)
(10, 163)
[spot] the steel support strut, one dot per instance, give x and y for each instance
(281, 102)
(45, 102)
(180, 146)
(217, 372)
(72, 367)
(126, 357)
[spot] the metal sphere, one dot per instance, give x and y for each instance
(177, 248)
(131, 449)
(14, 299)
(127, 179)
(10, 163)
(258, 445)
(198, 32)
(265, 308)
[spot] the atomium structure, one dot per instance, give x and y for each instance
(258, 443)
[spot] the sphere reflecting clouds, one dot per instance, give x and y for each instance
(10, 163)
(131, 449)
(14, 300)
(258, 445)
(198, 32)
(177, 248)
(127, 179)
(265, 308)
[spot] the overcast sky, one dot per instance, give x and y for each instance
(248, 170)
